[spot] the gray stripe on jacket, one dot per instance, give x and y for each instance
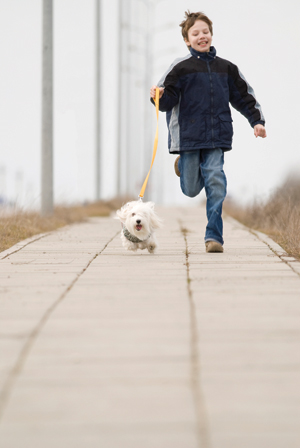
(251, 92)
(174, 127)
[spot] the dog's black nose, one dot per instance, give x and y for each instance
(138, 221)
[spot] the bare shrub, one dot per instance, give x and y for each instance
(279, 217)
(19, 225)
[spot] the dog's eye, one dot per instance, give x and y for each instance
(133, 214)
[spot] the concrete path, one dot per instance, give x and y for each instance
(111, 349)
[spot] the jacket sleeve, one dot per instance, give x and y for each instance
(242, 97)
(170, 82)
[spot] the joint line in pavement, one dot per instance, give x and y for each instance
(195, 369)
(16, 371)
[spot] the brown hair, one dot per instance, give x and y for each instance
(190, 19)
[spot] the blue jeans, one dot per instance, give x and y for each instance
(204, 168)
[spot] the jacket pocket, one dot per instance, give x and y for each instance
(193, 129)
(225, 126)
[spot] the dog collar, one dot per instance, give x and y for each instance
(133, 238)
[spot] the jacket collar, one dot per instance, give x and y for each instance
(204, 56)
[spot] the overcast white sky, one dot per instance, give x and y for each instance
(261, 37)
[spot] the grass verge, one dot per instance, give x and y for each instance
(19, 225)
(279, 217)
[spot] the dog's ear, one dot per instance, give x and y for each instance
(118, 215)
(151, 204)
(129, 205)
(121, 214)
(156, 222)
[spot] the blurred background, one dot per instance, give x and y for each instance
(135, 41)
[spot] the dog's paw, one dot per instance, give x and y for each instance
(151, 248)
(129, 245)
(134, 247)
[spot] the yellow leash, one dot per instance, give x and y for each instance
(141, 195)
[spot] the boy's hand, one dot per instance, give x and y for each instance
(153, 92)
(260, 131)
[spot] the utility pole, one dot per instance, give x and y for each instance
(148, 114)
(120, 85)
(47, 110)
(98, 104)
(123, 150)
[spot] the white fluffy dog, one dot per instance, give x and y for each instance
(139, 222)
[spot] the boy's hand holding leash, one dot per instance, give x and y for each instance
(260, 131)
(153, 91)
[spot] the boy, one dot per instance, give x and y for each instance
(196, 92)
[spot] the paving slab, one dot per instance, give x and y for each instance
(100, 347)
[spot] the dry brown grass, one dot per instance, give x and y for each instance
(279, 217)
(19, 225)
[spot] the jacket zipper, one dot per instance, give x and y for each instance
(211, 104)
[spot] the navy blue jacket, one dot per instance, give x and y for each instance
(198, 90)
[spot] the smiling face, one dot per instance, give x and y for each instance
(199, 37)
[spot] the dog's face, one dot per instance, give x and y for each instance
(139, 218)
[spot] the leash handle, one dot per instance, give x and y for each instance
(141, 195)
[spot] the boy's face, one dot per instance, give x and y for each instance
(199, 37)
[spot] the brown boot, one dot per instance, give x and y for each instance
(213, 246)
(176, 166)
